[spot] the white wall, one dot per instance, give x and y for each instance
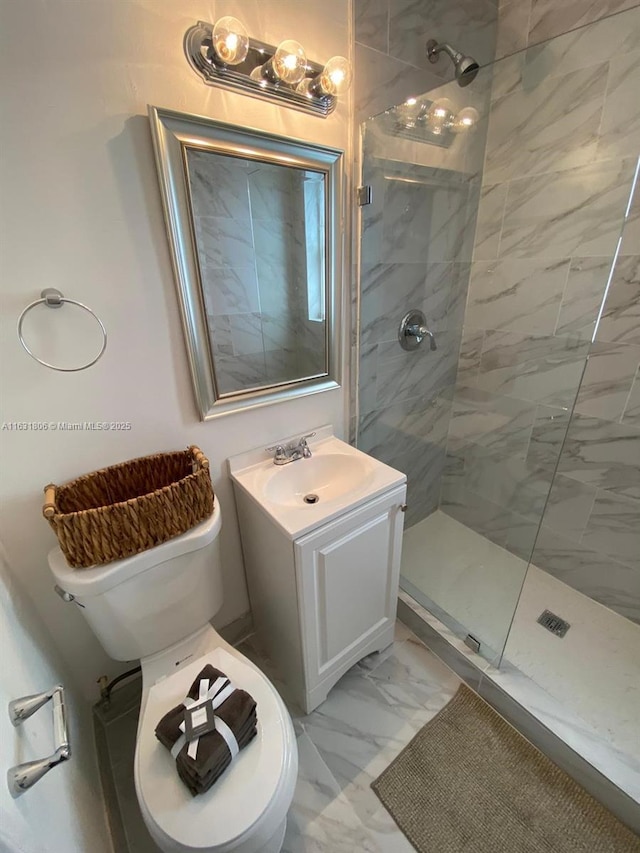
(64, 810)
(81, 211)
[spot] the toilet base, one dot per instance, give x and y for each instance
(274, 845)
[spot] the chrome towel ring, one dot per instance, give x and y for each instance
(52, 298)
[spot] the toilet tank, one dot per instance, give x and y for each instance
(143, 604)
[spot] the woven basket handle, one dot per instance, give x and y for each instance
(49, 508)
(198, 456)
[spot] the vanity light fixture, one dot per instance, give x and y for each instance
(434, 122)
(224, 54)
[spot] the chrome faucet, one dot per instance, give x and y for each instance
(285, 453)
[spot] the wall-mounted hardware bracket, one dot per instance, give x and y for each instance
(23, 776)
(364, 195)
(472, 643)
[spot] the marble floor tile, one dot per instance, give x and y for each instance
(367, 720)
(321, 817)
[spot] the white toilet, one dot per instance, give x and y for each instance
(156, 606)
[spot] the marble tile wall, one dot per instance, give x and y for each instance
(528, 22)
(390, 37)
(416, 237)
(416, 254)
(249, 233)
(562, 148)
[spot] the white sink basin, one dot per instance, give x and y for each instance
(317, 479)
(338, 475)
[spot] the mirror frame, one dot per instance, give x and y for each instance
(172, 132)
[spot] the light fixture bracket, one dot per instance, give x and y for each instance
(198, 48)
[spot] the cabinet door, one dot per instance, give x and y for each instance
(347, 573)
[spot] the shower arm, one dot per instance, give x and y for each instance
(434, 48)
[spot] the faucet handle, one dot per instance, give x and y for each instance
(279, 451)
(308, 435)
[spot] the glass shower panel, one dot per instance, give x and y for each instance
(504, 235)
(416, 242)
(585, 565)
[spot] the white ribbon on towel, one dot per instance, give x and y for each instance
(218, 693)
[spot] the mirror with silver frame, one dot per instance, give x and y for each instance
(254, 227)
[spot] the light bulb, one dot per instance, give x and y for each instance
(409, 112)
(230, 41)
(439, 115)
(289, 63)
(335, 77)
(466, 120)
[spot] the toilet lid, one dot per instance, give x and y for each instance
(243, 793)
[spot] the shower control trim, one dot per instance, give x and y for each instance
(413, 330)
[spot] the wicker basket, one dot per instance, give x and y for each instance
(127, 508)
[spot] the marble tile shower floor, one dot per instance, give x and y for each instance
(369, 716)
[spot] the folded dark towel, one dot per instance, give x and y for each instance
(193, 768)
(168, 729)
(201, 786)
(213, 755)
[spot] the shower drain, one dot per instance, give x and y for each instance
(553, 623)
(311, 499)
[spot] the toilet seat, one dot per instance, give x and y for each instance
(250, 788)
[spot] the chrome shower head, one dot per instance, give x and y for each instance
(466, 67)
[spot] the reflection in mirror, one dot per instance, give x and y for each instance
(253, 221)
(259, 231)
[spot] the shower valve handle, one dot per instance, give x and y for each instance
(413, 330)
(421, 332)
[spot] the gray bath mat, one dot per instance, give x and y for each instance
(469, 783)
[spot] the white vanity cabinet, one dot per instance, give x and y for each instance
(323, 601)
(321, 539)
(347, 574)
